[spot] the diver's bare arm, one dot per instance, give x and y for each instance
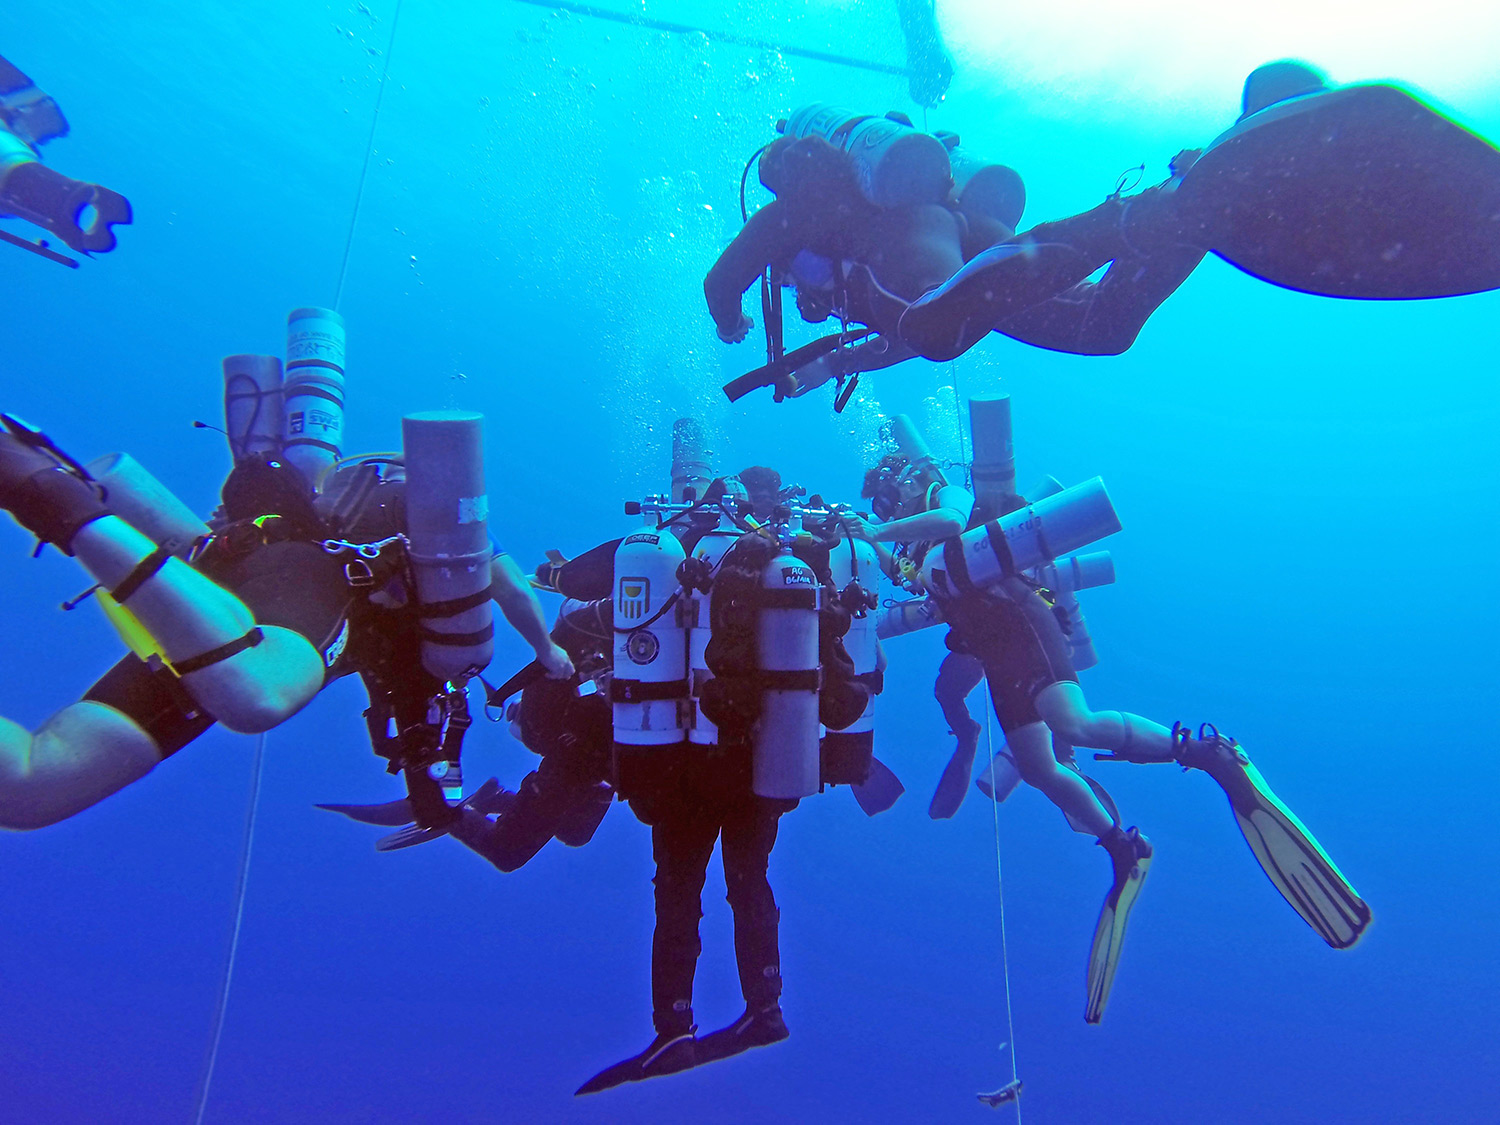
(514, 596)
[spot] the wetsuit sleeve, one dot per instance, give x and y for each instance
(770, 236)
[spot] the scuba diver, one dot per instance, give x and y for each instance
(974, 575)
(29, 190)
(387, 571)
(716, 732)
(1356, 192)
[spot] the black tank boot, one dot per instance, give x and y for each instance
(46, 499)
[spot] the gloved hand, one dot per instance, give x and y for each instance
(738, 332)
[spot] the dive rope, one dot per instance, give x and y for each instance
(257, 768)
(989, 747)
(234, 939)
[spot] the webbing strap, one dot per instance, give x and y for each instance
(454, 606)
(458, 640)
(640, 691)
(222, 653)
(141, 574)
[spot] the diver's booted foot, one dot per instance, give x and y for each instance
(1289, 854)
(758, 1028)
(669, 1053)
(1130, 858)
(954, 783)
(993, 286)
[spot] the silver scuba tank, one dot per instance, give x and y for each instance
(1065, 578)
(313, 391)
(691, 469)
(907, 617)
(447, 529)
(711, 549)
(650, 686)
(254, 415)
(1038, 533)
(785, 757)
(994, 449)
(855, 560)
(896, 165)
(146, 504)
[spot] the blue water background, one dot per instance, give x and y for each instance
(1308, 489)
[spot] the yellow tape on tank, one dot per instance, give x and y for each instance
(131, 631)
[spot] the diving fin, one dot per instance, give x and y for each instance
(1361, 192)
(391, 814)
(1288, 853)
(1000, 780)
(1010, 1092)
(954, 783)
(880, 790)
(1130, 855)
(668, 1053)
(577, 826)
(752, 1029)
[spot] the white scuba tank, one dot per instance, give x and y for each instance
(1065, 578)
(711, 549)
(313, 391)
(994, 449)
(896, 165)
(650, 686)
(855, 560)
(1035, 534)
(786, 762)
(907, 617)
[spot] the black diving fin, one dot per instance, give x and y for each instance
(880, 790)
(489, 799)
(1361, 192)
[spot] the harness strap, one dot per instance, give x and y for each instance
(640, 691)
(458, 640)
(216, 655)
(454, 606)
(808, 680)
(141, 574)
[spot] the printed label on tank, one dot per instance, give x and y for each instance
(796, 576)
(633, 598)
(642, 647)
(641, 537)
(474, 509)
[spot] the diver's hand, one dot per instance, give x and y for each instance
(858, 527)
(738, 332)
(556, 661)
(809, 377)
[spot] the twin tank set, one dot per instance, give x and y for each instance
(295, 413)
(662, 628)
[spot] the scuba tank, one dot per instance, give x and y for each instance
(650, 645)
(254, 418)
(994, 451)
(448, 542)
(907, 617)
(979, 188)
(1065, 578)
(896, 165)
(691, 471)
(710, 550)
(855, 561)
(313, 391)
(143, 502)
(1028, 537)
(785, 752)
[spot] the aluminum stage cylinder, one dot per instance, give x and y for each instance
(313, 391)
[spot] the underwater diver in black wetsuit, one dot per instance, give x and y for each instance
(274, 604)
(1357, 192)
(36, 193)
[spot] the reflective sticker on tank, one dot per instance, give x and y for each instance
(634, 597)
(642, 537)
(797, 576)
(336, 649)
(474, 509)
(642, 647)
